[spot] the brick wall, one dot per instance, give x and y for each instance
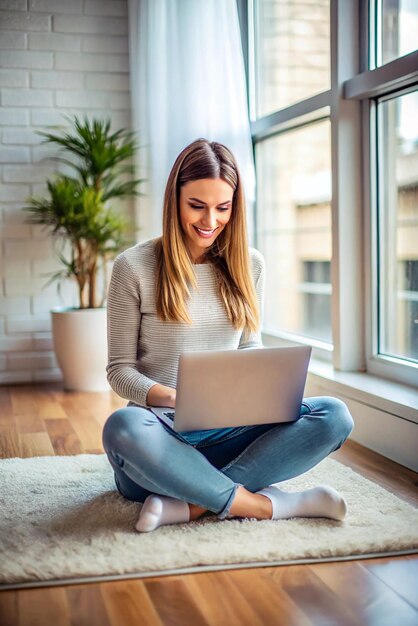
(56, 57)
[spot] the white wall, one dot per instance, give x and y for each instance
(377, 424)
(56, 57)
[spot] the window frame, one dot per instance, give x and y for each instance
(351, 103)
(313, 109)
(392, 79)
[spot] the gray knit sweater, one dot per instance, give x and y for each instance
(142, 349)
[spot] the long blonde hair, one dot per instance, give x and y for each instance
(228, 254)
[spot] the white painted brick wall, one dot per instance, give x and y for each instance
(24, 21)
(57, 57)
(13, 192)
(46, 375)
(31, 361)
(13, 5)
(105, 7)
(16, 231)
(57, 80)
(11, 377)
(56, 6)
(21, 136)
(25, 59)
(90, 62)
(79, 24)
(27, 97)
(33, 324)
(12, 40)
(54, 41)
(14, 78)
(96, 43)
(14, 155)
(13, 116)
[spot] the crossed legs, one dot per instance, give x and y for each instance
(138, 445)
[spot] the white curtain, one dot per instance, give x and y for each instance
(187, 82)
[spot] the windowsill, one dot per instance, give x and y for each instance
(375, 391)
(391, 397)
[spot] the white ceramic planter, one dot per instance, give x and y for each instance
(80, 345)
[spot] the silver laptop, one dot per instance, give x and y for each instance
(221, 389)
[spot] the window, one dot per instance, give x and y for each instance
(289, 75)
(389, 95)
(294, 228)
(396, 29)
(397, 172)
(408, 296)
(336, 154)
(316, 300)
(292, 61)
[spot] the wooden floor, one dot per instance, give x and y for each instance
(44, 420)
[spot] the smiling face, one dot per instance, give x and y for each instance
(205, 210)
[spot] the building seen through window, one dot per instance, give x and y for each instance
(316, 300)
(397, 207)
(293, 52)
(294, 229)
(293, 164)
(397, 29)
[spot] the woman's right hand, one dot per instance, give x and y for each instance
(160, 395)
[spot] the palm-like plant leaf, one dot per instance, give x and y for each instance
(76, 209)
(98, 150)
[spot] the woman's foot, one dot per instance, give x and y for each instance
(160, 510)
(320, 501)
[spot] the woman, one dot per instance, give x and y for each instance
(200, 287)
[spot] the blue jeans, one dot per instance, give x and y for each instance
(206, 467)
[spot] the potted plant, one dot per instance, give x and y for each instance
(76, 212)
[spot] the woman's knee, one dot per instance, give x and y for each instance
(338, 419)
(125, 424)
(332, 417)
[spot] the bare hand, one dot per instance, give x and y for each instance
(160, 395)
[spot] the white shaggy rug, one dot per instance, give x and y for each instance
(62, 520)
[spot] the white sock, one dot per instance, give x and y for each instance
(316, 502)
(159, 510)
